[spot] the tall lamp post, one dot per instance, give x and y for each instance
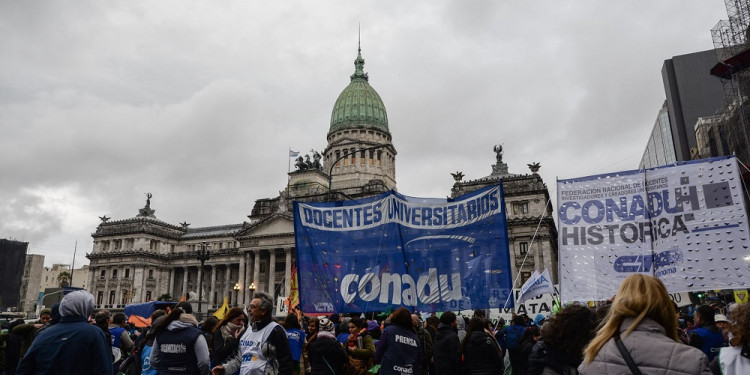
(251, 287)
(330, 170)
(203, 256)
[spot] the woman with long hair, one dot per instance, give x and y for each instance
(296, 337)
(528, 340)
(179, 330)
(560, 349)
(480, 351)
(733, 360)
(640, 334)
(313, 326)
(226, 335)
(327, 356)
(360, 347)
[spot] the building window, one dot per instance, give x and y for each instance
(129, 243)
(171, 248)
(124, 297)
(154, 245)
(372, 157)
(148, 295)
(338, 155)
(105, 245)
(520, 208)
(99, 297)
(118, 244)
(523, 248)
(114, 273)
(127, 273)
(150, 274)
(525, 276)
(362, 157)
(112, 297)
(103, 274)
(380, 156)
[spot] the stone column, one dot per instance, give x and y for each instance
(142, 289)
(272, 273)
(198, 282)
(288, 273)
(212, 300)
(118, 292)
(538, 266)
(170, 289)
(227, 287)
(248, 278)
(241, 281)
(184, 282)
(256, 269)
(105, 300)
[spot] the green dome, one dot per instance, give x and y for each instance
(359, 105)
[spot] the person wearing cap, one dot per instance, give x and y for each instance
(72, 346)
(264, 348)
(723, 323)
(539, 319)
(708, 337)
(326, 354)
(735, 359)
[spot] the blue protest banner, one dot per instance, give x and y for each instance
(392, 250)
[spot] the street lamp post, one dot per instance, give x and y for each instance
(251, 287)
(236, 288)
(203, 256)
(330, 171)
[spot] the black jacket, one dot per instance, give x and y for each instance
(326, 354)
(543, 356)
(481, 354)
(222, 349)
(447, 352)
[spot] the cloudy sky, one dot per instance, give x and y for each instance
(198, 102)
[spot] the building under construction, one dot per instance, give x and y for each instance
(726, 133)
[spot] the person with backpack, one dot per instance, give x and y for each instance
(510, 337)
(119, 339)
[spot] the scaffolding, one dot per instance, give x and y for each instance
(730, 125)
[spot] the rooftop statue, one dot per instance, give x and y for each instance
(498, 153)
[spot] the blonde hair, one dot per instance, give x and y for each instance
(639, 297)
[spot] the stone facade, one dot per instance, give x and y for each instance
(32, 275)
(532, 234)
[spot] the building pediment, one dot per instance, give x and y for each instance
(274, 225)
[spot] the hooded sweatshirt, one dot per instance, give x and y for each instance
(72, 346)
(200, 347)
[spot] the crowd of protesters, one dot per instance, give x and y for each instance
(640, 331)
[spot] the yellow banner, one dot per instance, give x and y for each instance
(222, 310)
(741, 296)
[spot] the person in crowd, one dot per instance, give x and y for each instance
(343, 334)
(425, 344)
(313, 327)
(336, 319)
(447, 346)
(510, 338)
(560, 349)
(120, 338)
(226, 335)
(179, 346)
(296, 337)
(529, 339)
(102, 319)
(480, 351)
(479, 313)
(27, 332)
(264, 348)
(398, 347)
(146, 343)
(735, 359)
(539, 320)
(374, 329)
(13, 344)
(723, 324)
(207, 329)
(73, 346)
(431, 325)
(707, 336)
(54, 319)
(641, 324)
(326, 355)
(360, 347)
(460, 327)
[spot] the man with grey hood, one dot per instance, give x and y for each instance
(73, 346)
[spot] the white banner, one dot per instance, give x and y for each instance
(537, 284)
(684, 224)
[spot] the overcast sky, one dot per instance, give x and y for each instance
(198, 102)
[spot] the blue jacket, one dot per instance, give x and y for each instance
(70, 347)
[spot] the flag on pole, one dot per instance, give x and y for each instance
(537, 284)
(221, 311)
(292, 301)
(293, 154)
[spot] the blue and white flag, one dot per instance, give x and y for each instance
(293, 154)
(392, 250)
(537, 284)
(684, 223)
